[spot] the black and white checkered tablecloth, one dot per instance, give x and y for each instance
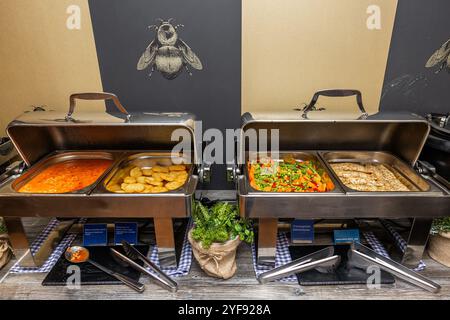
(182, 269)
(283, 255)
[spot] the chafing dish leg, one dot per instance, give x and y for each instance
(165, 241)
(19, 242)
(267, 241)
(417, 240)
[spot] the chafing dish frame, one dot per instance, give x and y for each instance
(400, 133)
(37, 134)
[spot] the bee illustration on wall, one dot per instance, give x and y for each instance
(167, 53)
(442, 57)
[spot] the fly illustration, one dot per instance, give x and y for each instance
(442, 57)
(167, 53)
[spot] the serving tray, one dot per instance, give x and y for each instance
(91, 275)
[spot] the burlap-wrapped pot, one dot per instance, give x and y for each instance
(439, 248)
(219, 260)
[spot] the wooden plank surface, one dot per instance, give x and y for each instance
(198, 286)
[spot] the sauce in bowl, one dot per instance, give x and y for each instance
(67, 176)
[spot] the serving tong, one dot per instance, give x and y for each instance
(359, 256)
(132, 254)
(324, 258)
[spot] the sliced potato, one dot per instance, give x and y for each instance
(168, 176)
(159, 189)
(148, 189)
(135, 188)
(173, 185)
(178, 167)
(181, 175)
(129, 180)
(147, 172)
(153, 181)
(136, 172)
(141, 179)
(160, 169)
(181, 179)
(157, 175)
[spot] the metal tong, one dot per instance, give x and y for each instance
(361, 255)
(321, 258)
(132, 254)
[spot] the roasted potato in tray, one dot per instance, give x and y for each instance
(156, 179)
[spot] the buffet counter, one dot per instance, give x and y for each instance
(197, 285)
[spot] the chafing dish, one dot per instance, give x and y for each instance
(41, 137)
(394, 138)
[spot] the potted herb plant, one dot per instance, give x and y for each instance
(439, 247)
(217, 232)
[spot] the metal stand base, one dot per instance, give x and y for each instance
(417, 241)
(19, 243)
(165, 241)
(267, 241)
(21, 246)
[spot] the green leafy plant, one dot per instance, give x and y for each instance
(441, 225)
(219, 223)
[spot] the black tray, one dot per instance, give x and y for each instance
(343, 274)
(91, 275)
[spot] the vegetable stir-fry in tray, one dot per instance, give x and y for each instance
(288, 175)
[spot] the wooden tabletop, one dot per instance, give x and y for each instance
(199, 286)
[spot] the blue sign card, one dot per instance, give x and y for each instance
(346, 236)
(95, 234)
(127, 231)
(302, 231)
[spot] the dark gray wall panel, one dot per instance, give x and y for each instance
(212, 29)
(421, 27)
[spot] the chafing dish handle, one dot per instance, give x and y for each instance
(337, 93)
(95, 96)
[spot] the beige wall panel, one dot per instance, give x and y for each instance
(292, 48)
(41, 61)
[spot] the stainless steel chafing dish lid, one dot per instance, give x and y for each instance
(36, 134)
(402, 134)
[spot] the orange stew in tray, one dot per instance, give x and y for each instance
(67, 176)
(288, 175)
